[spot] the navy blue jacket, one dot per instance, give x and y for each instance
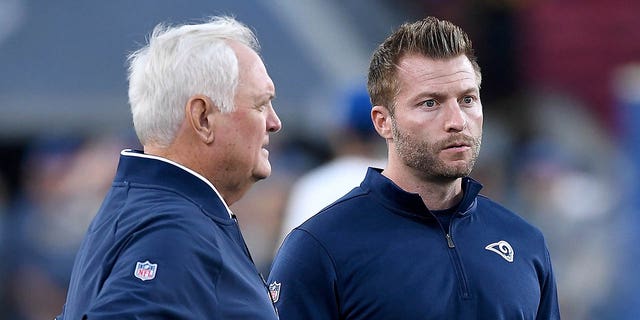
(379, 253)
(164, 245)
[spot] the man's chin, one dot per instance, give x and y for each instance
(262, 173)
(451, 173)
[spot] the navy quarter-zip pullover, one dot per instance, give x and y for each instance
(379, 253)
(164, 245)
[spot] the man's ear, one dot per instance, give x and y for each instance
(381, 118)
(200, 112)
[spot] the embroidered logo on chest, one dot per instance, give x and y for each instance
(503, 249)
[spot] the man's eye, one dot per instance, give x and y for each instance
(429, 103)
(467, 100)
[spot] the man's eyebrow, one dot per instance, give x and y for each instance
(267, 97)
(440, 95)
(470, 90)
(430, 94)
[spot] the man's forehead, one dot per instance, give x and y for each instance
(414, 67)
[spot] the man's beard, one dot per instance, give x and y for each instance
(423, 156)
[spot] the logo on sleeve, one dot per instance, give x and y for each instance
(274, 290)
(502, 248)
(145, 270)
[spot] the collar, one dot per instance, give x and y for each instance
(395, 198)
(138, 167)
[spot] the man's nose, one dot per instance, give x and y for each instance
(456, 119)
(273, 121)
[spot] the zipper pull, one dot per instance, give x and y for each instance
(450, 241)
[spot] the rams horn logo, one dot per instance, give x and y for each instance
(502, 248)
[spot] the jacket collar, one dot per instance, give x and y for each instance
(396, 198)
(138, 167)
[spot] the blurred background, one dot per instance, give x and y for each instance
(561, 97)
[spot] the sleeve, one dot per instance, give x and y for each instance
(549, 308)
(305, 280)
(165, 270)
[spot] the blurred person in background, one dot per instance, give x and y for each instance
(65, 180)
(416, 240)
(623, 301)
(356, 146)
(42, 254)
(164, 243)
(568, 190)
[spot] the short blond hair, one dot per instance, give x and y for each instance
(431, 37)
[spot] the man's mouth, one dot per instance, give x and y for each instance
(456, 145)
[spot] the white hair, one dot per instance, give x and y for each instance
(180, 62)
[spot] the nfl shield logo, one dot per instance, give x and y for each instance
(145, 270)
(274, 290)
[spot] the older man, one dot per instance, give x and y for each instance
(164, 244)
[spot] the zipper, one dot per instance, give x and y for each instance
(455, 259)
(449, 241)
(241, 239)
(248, 254)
